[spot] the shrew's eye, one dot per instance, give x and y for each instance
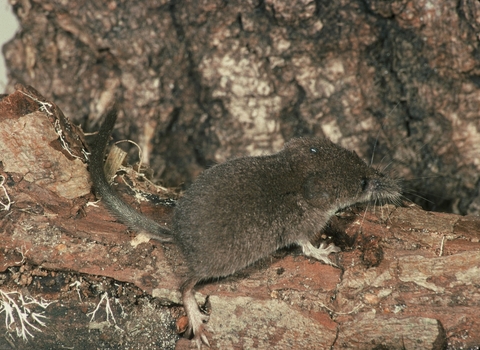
(313, 150)
(364, 184)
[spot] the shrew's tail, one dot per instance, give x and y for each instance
(124, 212)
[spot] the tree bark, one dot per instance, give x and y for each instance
(201, 82)
(408, 278)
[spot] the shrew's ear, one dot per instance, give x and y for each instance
(315, 192)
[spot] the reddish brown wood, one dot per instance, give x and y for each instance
(409, 277)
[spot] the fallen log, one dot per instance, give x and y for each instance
(408, 278)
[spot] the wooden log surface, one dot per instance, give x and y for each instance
(408, 278)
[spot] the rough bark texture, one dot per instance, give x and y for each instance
(202, 81)
(409, 278)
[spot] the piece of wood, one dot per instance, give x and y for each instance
(409, 278)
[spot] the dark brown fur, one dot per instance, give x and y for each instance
(244, 209)
(240, 211)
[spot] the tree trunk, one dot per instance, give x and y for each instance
(204, 81)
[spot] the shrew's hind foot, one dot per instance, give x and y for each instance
(196, 319)
(196, 325)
